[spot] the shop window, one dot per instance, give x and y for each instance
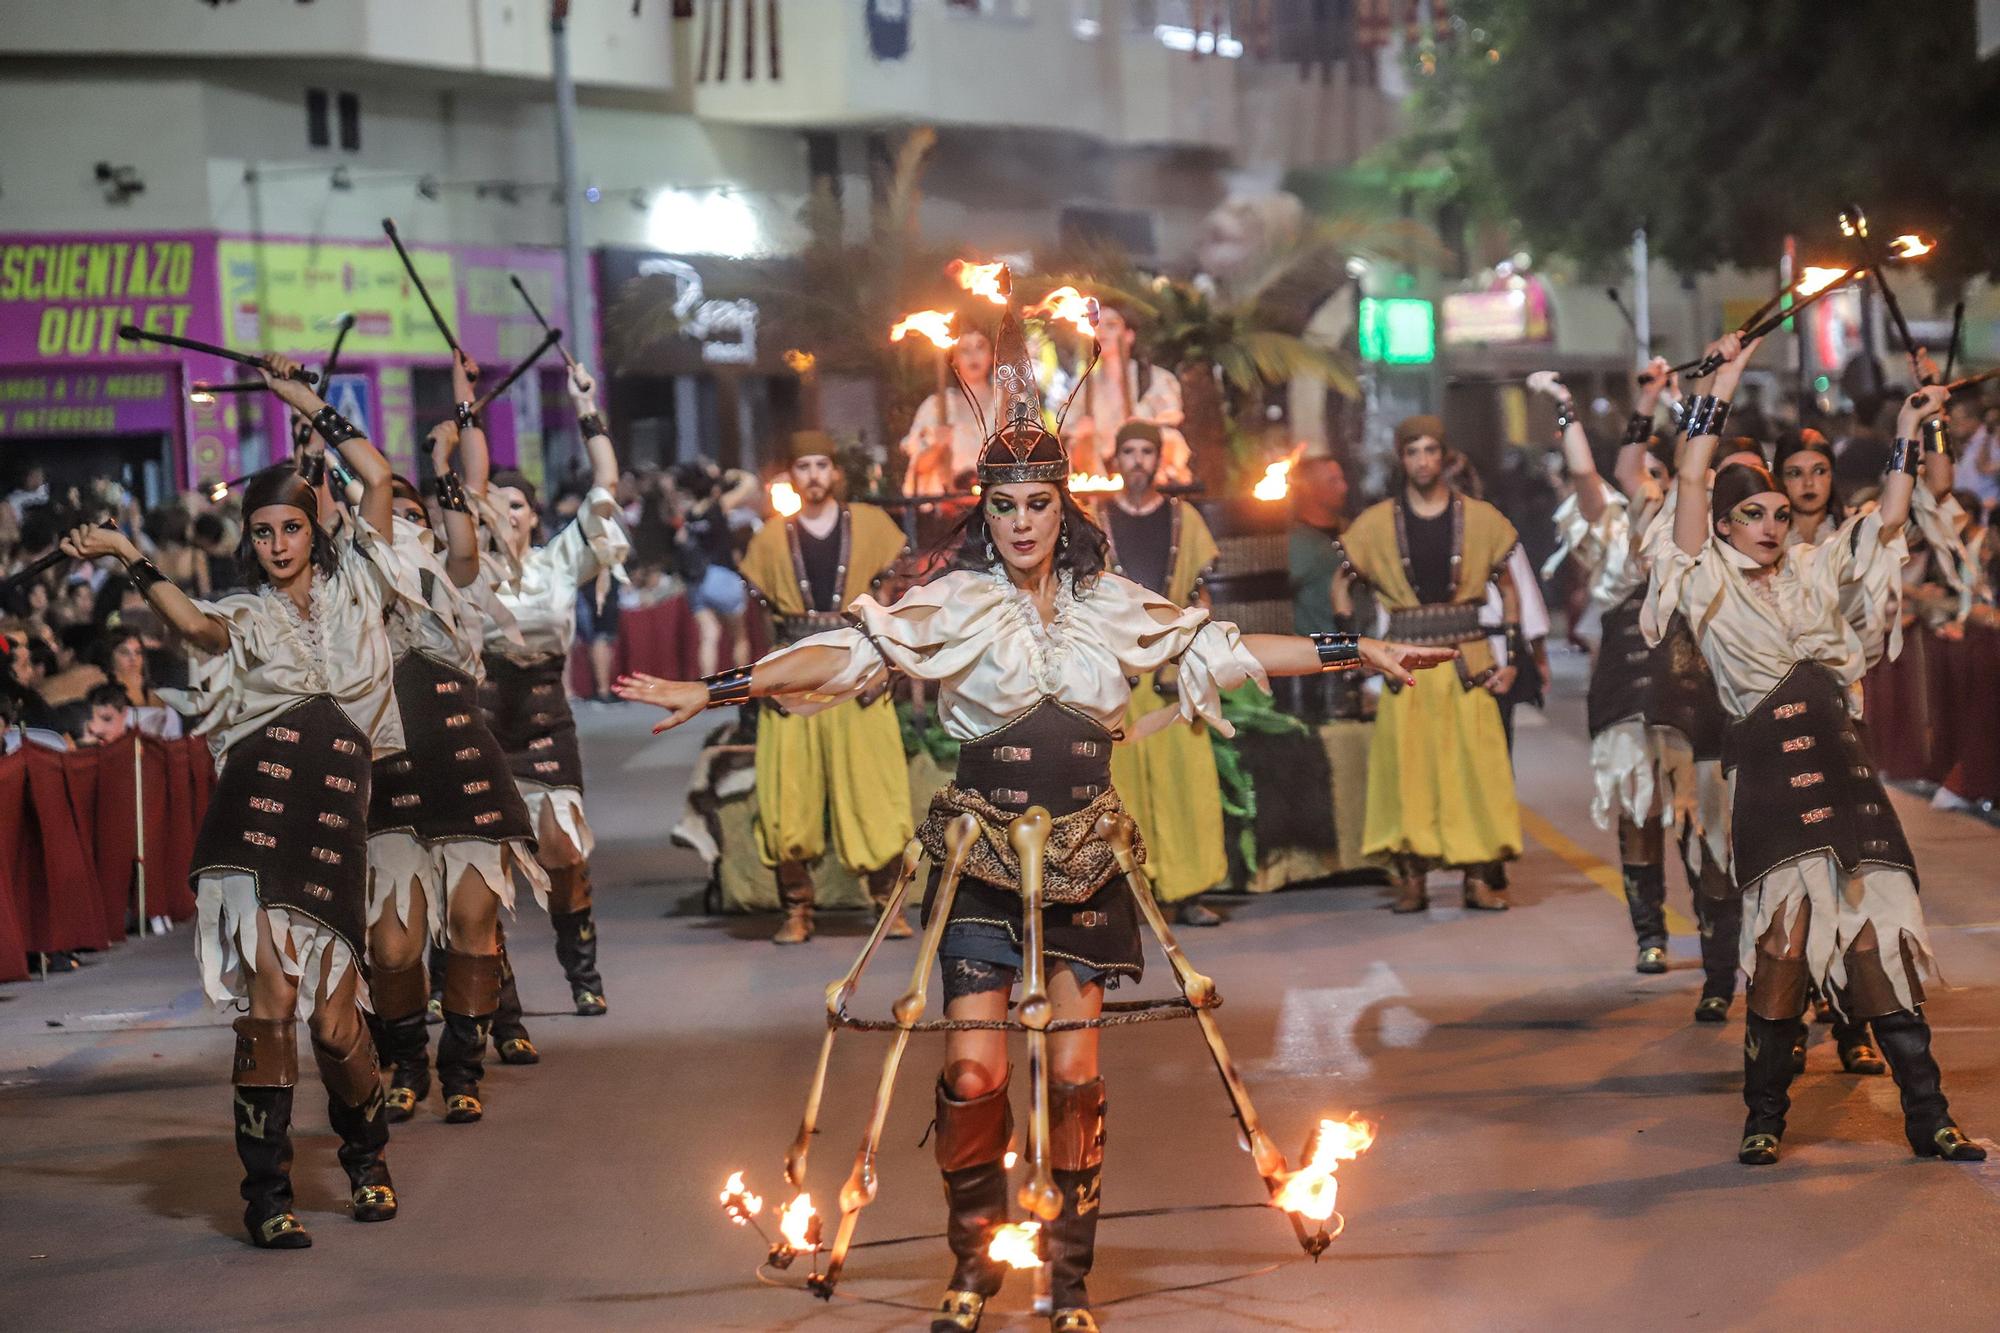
(318, 131)
(350, 123)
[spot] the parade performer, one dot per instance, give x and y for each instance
(1030, 640)
(844, 767)
(1655, 721)
(1440, 786)
(942, 445)
(526, 656)
(1123, 387)
(1828, 876)
(1167, 779)
(447, 828)
(291, 683)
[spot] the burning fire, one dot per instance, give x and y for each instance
(1817, 279)
(800, 361)
(739, 1202)
(1311, 1190)
(799, 1224)
(932, 324)
(784, 499)
(979, 279)
(1070, 306)
(1910, 247)
(1276, 483)
(1014, 1245)
(1094, 483)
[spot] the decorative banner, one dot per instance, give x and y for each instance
(289, 295)
(96, 400)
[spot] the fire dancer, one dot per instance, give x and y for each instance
(1828, 875)
(1030, 638)
(1124, 387)
(843, 767)
(1167, 779)
(1655, 721)
(291, 682)
(529, 633)
(1440, 786)
(943, 444)
(447, 828)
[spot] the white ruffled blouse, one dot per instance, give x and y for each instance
(1823, 603)
(541, 599)
(276, 657)
(1605, 549)
(433, 615)
(982, 641)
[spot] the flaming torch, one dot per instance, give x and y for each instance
(1812, 285)
(1311, 1191)
(1094, 483)
(798, 1231)
(932, 324)
(979, 279)
(1017, 1245)
(1067, 305)
(1910, 246)
(1854, 226)
(739, 1205)
(785, 499)
(1276, 483)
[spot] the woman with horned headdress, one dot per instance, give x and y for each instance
(291, 681)
(1829, 880)
(1030, 640)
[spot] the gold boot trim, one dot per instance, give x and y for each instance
(1953, 1146)
(1758, 1150)
(284, 1224)
(961, 1310)
(400, 1101)
(1072, 1321)
(462, 1109)
(519, 1050)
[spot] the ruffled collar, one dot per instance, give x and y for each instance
(307, 632)
(1048, 643)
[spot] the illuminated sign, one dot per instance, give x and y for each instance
(1398, 331)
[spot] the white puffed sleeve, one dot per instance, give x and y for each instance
(1865, 574)
(1681, 583)
(1145, 632)
(935, 632)
(595, 541)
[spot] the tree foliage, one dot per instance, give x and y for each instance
(1723, 125)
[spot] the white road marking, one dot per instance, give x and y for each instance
(1316, 1030)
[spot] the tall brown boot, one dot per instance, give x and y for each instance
(402, 1039)
(471, 993)
(882, 883)
(1076, 1152)
(795, 891)
(971, 1148)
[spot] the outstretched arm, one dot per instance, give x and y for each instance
(1630, 470)
(1299, 655)
(192, 623)
(590, 422)
(802, 670)
(1899, 487)
(461, 553)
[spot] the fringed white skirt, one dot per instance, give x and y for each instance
(398, 860)
(562, 831)
(225, 944)
(1841, 905)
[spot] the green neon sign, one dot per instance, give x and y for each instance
(1398, 331)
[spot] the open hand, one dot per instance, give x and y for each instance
(1502, 680)
(1398, 660)
(683, 699)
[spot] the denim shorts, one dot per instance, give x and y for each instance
(719, 590)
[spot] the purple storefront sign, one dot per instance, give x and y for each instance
(95, 400)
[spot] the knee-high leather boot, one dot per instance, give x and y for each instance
(354, 1107)
(1767, 1082)
(1718, 910)
(1906, 1043)
(402, 1040)
(1076, 1151)
(795, 893)
(971, 1147)
(576, 937)
(1646, 901)
(471, 993)
(510, 1033)
(266, 1069)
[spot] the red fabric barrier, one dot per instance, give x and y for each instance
(661, 641)
(1931, 715)
(69, 842)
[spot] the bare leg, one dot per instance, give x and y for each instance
(708, 641)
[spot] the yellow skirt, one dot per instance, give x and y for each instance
(1168, 784)
(1440, 785)
(843, 767)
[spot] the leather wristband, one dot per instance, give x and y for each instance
(464, 415)
(451, 492)
(332, 427)
(592, 424)
(1566, 414)
(1337, 652)
(312, 468)
(144, 574)
(1706, 415)
(1906, 456)
(1639, 429)
(1936, 434)
(727, 689)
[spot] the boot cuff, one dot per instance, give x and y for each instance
(975, 1132)
(398, 992)
(267, 1053)
(351, 1075)
(1076, 1125)
(471, 983)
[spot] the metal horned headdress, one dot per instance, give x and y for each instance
(1020, 446)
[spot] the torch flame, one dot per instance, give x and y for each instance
(800, 361)
(979, 279)
(738, 1201)
(1910, 247)
(1817, 279)
(1068, 305)
(796, 1223)
(784, 499)
(1013, 1244)
(1311, 1190)
(1011, 1158)
(1094, 483)
(932, 324)
(1275, 484)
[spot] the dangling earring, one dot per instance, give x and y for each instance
(1062, 538)
(991, 554)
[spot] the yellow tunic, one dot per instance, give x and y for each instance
(1440, 785)
(1168, 781)
(843, 767)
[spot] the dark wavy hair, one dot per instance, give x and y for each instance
(1084, 556)
(1810, 441)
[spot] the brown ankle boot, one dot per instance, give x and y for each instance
(795, 891)
(1411, 895)
(1480, 895)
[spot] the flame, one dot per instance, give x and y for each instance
(1910, 247)
(1275, 484)
(1014, 1244)
(785, 499)
(200, 394)
(1817, 279)
(799, 361)
(932, 324)
(979, 279)
(1094, 483)
(738, 1201)
(1311, 1190)
(1011, 1158)
(799, 1224)
(1068, 305)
